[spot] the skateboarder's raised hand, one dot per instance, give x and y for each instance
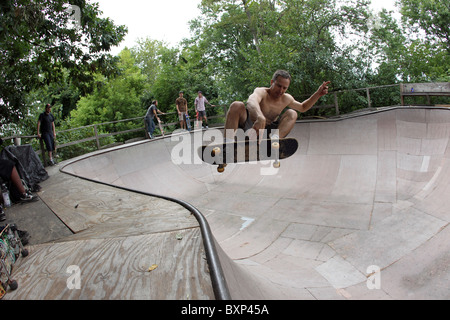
(323, 90)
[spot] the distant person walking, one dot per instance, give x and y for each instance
(46, 131)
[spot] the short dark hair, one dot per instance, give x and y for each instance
(281, 73)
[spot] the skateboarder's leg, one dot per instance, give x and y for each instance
(287, 122)
(15, 179)
(236, 117)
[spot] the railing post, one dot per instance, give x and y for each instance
(336, 105)
(402, 98)
(368, 98)
(96, 137)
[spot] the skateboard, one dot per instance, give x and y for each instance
(161, 128)
(55, 152)
(246, 151)
(188, 121)
(197, 123)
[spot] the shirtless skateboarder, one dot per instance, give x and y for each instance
(265, 105)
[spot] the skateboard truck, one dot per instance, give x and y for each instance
(276, 146)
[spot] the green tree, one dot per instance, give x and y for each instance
(147, 54)
(171, 79)
(113, 100)
(430, 54)
(387, 47)
(40, 42)
(244, 42)
(405, 52)
(430, 16)
(116, 99)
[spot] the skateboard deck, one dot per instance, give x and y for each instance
(161, 128)
(197, 123)
(55, 152)
(188, 122)
(247, 151)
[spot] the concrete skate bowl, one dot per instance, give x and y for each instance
(361, 211)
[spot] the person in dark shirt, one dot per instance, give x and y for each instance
(46, 130)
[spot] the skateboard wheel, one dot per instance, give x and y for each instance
(276, 164)
(215, 151)
(276, 145)
(24, 253)
(220, 169)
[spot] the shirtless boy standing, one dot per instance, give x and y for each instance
(265, 105)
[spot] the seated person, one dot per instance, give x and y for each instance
(8, 172)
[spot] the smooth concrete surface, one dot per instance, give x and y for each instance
(361, 211)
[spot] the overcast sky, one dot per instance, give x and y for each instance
(164, 20)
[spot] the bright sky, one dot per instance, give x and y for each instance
(387, 4)
(164, 20)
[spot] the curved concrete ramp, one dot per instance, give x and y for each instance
(360, 211)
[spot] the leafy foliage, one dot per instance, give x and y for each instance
(40, 45)
(117, 99)
(236, 45)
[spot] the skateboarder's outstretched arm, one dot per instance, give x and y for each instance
(311, 101)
